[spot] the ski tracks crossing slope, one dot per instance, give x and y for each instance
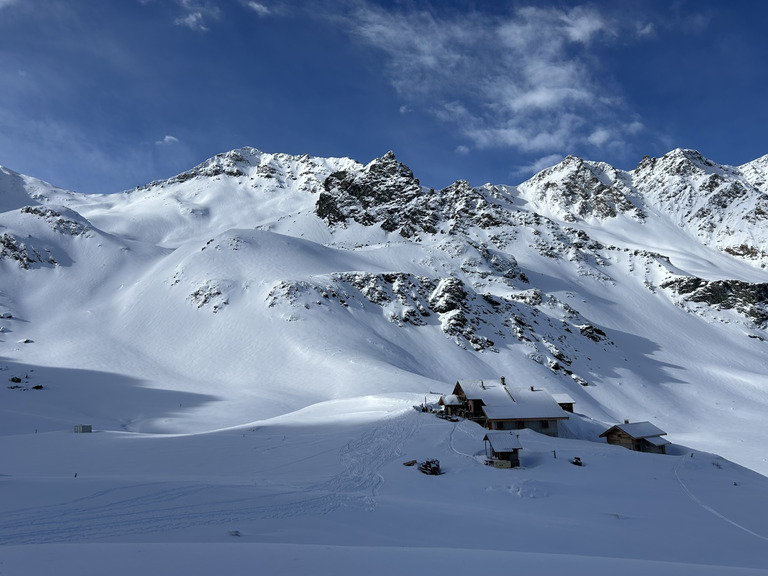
(136, 508)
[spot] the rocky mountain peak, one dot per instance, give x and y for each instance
(756, 172)
(679, 162)
(381, 192)
(717, 204)
(576, 189)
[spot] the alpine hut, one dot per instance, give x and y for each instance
(638, 436)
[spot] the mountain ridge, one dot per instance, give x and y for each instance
(360, 280)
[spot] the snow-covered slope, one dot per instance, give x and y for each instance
(259, 286)
(261, 276)
(17, 190)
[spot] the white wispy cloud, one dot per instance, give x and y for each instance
(6, 3)
(196, 14)
(645, 28)
(193, 21)
(526, 81)
(259, 8)
(599, 137)
(167, 140)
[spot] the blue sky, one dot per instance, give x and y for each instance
(103, 96)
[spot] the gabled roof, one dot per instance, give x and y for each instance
(478, 384)
(637, 430)
(525, 404)
(485, 390)
(503, 441)
(449, 400)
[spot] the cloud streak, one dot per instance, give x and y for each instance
(526, 81)
(196, 15)
(258, 7)
(168, 140)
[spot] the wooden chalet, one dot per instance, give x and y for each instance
(526, 408)
(501, 449)
(638, 436)
(492, 404)
(475, 394)
(452, 404)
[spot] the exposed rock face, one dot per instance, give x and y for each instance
(73, 225)
(227, 163)
(748, 299)
(30, 251)
(385, 192)
(723, 206)
(12, 248)
(577, 189)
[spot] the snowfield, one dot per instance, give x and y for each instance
(249, 341)
(326, 486)
(307, 492)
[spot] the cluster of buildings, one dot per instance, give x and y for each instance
(502, 410)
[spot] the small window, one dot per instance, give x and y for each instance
(545, 424)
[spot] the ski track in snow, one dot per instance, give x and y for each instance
(166, 506)
(362, 458)
(709, 509)
(455, 450)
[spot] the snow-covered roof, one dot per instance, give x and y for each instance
(525, 404)
(637, 430)
(657, 440)
(503, 441)
(491, 392)
(475, 388)
(450, 400)
(563, 399)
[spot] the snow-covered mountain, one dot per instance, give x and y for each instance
(258, 285)
(258, 276)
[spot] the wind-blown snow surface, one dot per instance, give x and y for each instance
(248, 338)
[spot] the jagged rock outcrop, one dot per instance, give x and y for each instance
(746, 298)
(578, 189)
(60, 220)
(385, 192)
(12, 248)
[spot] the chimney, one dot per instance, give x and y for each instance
(503, 381)
(626, 421)
(532, 390)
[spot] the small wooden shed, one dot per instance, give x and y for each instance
(83, 428)
(564, 401)
(502, 447)
(638, 436)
